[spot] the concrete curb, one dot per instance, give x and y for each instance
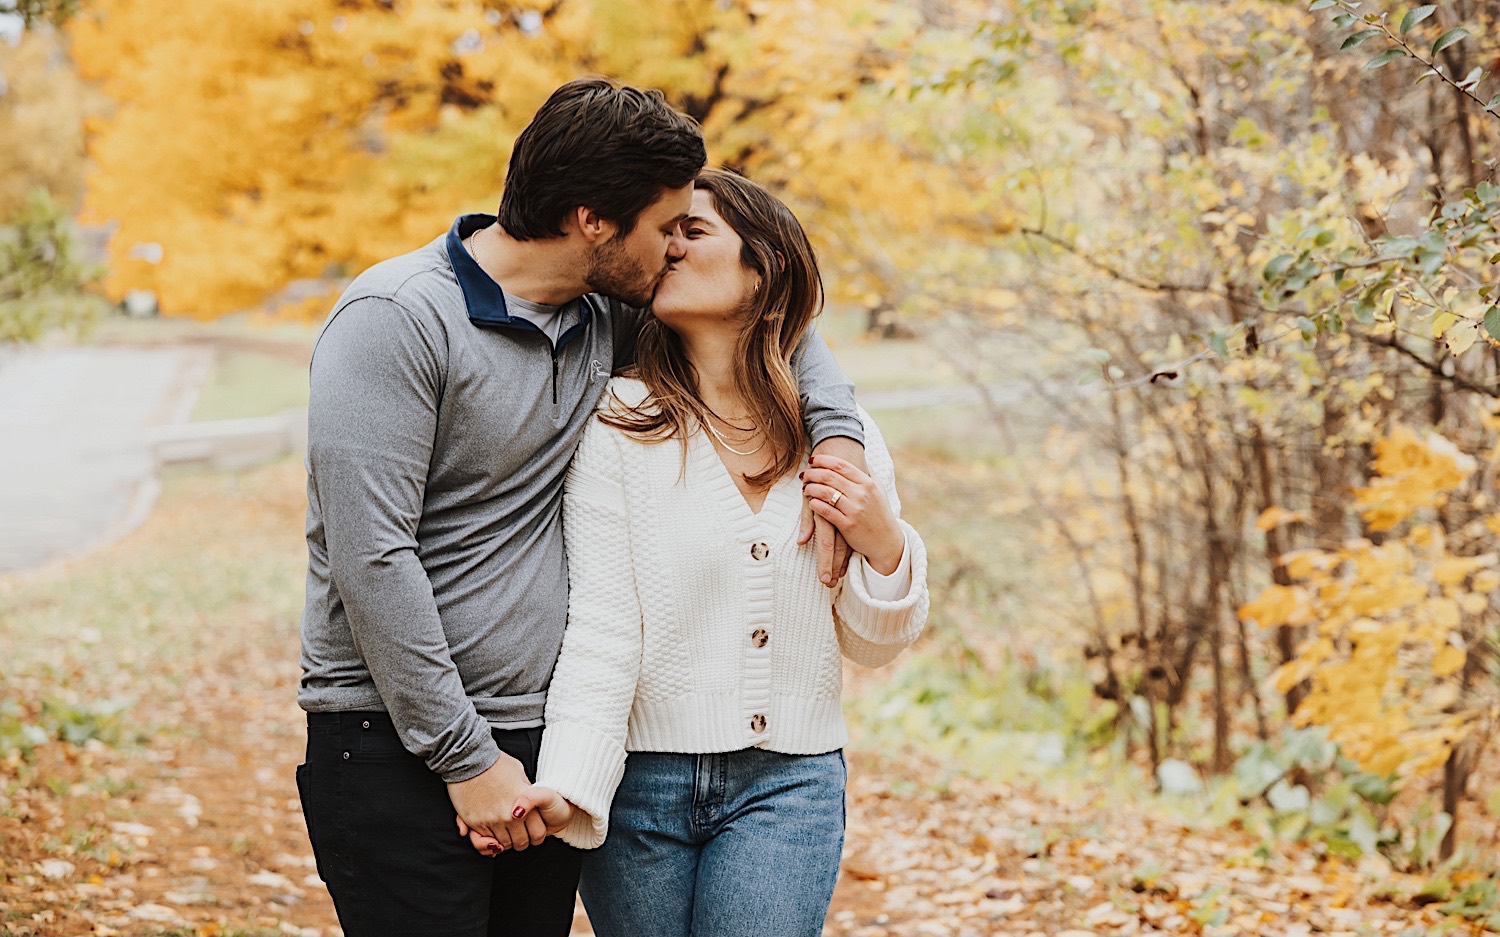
(230, 445)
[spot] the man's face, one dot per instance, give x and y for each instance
(628, 268)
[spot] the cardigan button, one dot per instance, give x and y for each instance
(759, 637)
(757, 723)
(759, 551)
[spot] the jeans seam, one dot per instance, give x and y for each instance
(341, 820)
(721, 777)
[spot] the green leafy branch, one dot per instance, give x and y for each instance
(43, 283)
(1376, 25)
(1414, 268)
(32, 12)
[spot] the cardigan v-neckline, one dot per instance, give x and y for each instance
(782, 499)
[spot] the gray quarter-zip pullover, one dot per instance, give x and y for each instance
(439, 432)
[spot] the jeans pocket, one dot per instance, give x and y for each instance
(379, 744)
(307, 819)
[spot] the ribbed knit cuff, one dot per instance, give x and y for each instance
(889, 623)
(584, 766)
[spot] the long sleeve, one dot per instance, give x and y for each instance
(828, 406)
(886, 587)
(872, 631)
(376, 380)
(593, 687)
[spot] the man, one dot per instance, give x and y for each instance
(449, 389)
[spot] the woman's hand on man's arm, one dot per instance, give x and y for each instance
(845, 495)
(833, 546)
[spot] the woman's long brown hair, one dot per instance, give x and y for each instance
(776, 317)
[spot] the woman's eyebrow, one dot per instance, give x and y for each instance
(698, 219)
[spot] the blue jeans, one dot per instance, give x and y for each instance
(740, 844)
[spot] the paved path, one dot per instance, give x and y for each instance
(75, 466)
(913, 398)
(76, 426)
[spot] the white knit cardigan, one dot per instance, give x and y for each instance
(696, 625)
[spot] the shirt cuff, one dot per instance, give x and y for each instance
(830, 426)
(890, 588)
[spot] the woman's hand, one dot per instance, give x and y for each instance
(550, 809)
(554, 810)
(851, 500)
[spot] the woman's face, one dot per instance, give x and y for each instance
(709, 283)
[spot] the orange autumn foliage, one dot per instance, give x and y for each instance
(1385, 651)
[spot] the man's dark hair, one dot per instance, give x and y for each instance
(596, 143)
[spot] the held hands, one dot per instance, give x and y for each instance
(482, 802)
(537, 806)
(847, 497)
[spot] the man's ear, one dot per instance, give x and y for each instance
(595, 228)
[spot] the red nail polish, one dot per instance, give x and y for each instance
(518, 813)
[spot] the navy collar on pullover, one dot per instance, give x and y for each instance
(483, 296)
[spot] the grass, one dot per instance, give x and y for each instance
(218, 563)
(175, 330)
(250, 384)
(129, 670)
(262, 370)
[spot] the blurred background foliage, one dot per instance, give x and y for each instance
(1218, 275)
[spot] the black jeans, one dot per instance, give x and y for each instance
(383, 832)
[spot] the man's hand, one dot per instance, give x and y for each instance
(544, 802)
(833, 550)
(485, 805)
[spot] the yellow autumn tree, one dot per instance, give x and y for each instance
(42, 105)
(1386, 644)
(256, 145)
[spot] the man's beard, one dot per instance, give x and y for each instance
(613, 273)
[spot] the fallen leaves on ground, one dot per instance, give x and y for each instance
(197, 829)
(980, 858)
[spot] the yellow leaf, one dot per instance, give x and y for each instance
(1462, 337)
(1447, 661)
(1274, 606)
(1301, 564)
(1452, 570)
(1474, 604)
(1273, 517)
(1442, 322)
(1444, 613)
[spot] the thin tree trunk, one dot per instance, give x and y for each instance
(1286, 635)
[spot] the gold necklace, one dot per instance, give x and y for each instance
(715, 414)
(725, 443)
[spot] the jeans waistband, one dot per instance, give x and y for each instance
(377, 719)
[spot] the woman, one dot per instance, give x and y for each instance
(699, 639)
